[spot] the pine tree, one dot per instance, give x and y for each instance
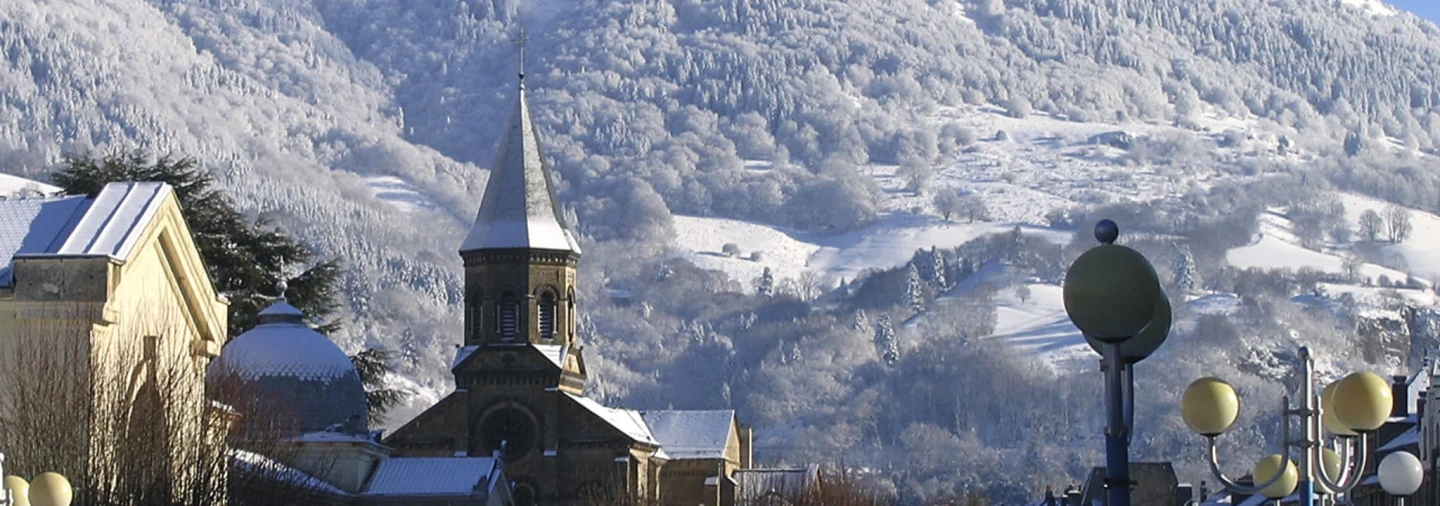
(886, 346)
(915, 291)
(939, 268)
(1187, 276)
(765, 284)
(861, 321)
(373, 364)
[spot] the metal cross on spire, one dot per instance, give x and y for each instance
(520, 40)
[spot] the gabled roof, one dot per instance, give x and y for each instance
(432, 476)
(108, 225)
(628, 422)
(691, 434)
(519, 208)
(553, 352)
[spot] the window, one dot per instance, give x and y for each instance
(509, 322)
(476, 303)
(547, 315)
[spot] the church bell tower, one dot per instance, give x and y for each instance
(520, 256)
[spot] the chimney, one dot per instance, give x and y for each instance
(1420, 402)
(1400, 386)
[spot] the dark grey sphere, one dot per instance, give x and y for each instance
(1107, 232)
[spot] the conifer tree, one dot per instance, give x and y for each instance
(915, 291)
(1187, 276)
(938, 259)
(886, 346)
(861, 321)
(765, 285)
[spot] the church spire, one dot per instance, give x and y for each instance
(519, 209)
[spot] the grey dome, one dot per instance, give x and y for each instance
(292, 375)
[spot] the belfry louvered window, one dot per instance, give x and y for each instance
(509, 322)
(476, 303)
(547, 315)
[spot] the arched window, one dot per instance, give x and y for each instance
(476, 305)
(547, 315)
(508, 324)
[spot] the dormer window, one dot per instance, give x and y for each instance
(547, 315)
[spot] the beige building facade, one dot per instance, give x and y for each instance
(107, 322)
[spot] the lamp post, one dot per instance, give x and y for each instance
(49, 489)
(1113, 296)
(1351, 409)
(1400, 475)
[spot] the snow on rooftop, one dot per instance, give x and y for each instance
(519, 209)
(626, 421)
(462, 354)
(691, 434)
(256, 464)
(1411, 436)
(16, 186)
(430, 476)
(108, 225)
(284, 348)
(554, 352)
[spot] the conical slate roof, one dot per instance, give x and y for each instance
(519, 208)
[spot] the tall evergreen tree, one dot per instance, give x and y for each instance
(886, 345)
(765, 285)
(914, 290)
(938, 260)
(1187, 276)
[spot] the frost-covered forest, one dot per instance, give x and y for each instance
(364, 127)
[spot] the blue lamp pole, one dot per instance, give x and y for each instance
(1113, 296)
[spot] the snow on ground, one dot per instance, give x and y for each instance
(890, 242)
(1039, 327)
(398, 193)
(1371, 7)
(1276, 247)
(700, 240)
(1421, 251)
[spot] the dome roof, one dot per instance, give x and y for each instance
(292, 369)
(282, 345)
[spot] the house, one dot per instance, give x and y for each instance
(107, 321)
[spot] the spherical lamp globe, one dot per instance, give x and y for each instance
(1148, 340)
(1330, 419)
(51, 489)
(1110, 293)
(1265, 471)
(1209, 406)
(19, 490)
(1400, 473)
(1363, 401)
(1330, 464)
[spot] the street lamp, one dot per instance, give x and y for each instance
(1400, 475)
(1351, 409)
(1113, 296)
(49, 489)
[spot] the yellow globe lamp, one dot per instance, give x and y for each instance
(1330, 419)
(1363, 401)
(19, 490)
(1265, 470)
(51, 489)
(1329, 464)
(1210, 406)
(1110, 290)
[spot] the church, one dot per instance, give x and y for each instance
(520, 374)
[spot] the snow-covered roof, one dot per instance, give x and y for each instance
(282, 345)
(463, 353)
(519, 209)
(628, 422)
(691, 434)
(108, 225)
(254, 463)
(431, 476)
(1411, 436)
(554, 352)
